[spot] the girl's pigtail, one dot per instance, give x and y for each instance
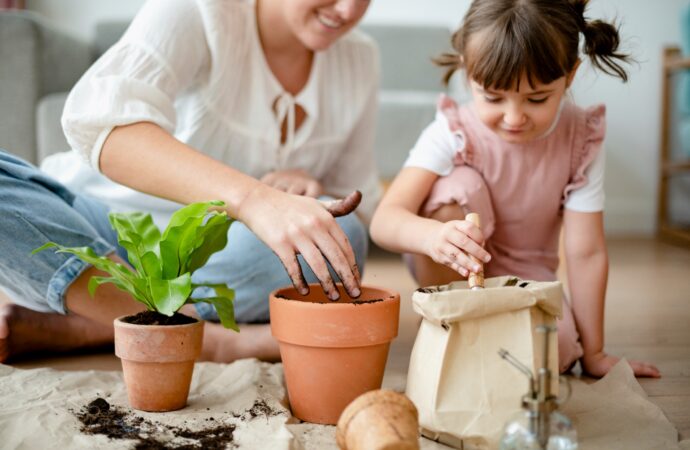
(601, 43)
(451, 60)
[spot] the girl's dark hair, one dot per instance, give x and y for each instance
(537, 38)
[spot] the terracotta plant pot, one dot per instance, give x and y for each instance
(379, 420)
(158, 361)
(332, 352)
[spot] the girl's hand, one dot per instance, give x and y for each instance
(451, 243)
(294, 225)
(294, 181)
(600, 364)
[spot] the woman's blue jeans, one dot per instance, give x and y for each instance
(35, 209)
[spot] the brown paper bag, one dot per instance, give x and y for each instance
(464, 391)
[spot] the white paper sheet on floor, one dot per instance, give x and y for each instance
(35, 409)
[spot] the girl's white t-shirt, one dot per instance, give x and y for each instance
(196, 68)
(437, 146)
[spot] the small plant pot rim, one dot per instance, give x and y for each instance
(120, 322)
(158, 343)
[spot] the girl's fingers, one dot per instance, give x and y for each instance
(467, 241)
(644, 370)
(457, 259)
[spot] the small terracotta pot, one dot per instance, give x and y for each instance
(332, 352)
(158, 361)
(379, 420)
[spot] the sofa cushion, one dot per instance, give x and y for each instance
(49, 135)
(36, 60)
(19, 84)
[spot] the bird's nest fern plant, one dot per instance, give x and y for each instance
(163, 264)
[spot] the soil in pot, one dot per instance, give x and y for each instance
(155, 318)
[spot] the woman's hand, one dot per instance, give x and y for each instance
(451, 243)
(294, 181)
(294, 225)
(600, 364)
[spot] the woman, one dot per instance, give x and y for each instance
(202, 100)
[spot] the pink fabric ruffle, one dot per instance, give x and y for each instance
(590, 133)
(456, 122)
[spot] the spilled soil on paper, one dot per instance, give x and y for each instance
(100, 417)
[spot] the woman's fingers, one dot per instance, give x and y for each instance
(296, 189)
(343, 206)
(313, 189)
(338, 251)
(289, 259)
(315, 259)
(292, 225)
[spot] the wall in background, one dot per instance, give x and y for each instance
(633, 109)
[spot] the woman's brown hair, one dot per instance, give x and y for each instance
(537, 38)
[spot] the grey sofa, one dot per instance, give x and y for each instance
(39, 65)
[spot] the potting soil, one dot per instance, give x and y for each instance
(99, 417)
(155, 318)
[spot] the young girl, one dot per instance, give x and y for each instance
(524, 158)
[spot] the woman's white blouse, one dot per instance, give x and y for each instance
(196, 68)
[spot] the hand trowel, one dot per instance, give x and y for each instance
(475, 280)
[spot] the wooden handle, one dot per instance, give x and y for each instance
(475, 279)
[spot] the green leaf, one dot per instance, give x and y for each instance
(211, 237)
(95, 281)
(169, 295)
(140, 237)
(179, 237)
(126, 279)
(223, 302)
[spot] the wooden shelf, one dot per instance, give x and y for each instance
(673, 167)
(673, 63)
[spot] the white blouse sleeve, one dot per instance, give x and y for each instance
(436, 147)
(162, 53)
(590, 197)
(355, 167)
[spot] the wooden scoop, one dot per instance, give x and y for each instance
(475, 280)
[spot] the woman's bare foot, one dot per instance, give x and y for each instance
(253, 341)
(25, 331)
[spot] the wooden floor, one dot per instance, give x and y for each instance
(647, 317)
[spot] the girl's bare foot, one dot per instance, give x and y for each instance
(25, 331)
